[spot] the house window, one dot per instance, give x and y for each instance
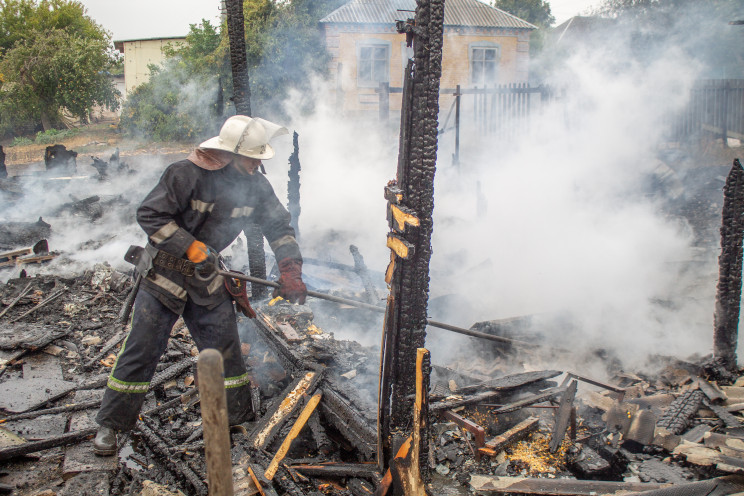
(484, 64)
(373, 63)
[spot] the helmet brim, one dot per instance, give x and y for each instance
(265, 152)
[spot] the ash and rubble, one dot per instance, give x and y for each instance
(497, 420)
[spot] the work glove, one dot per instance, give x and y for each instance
(290, 282)
(201, 255)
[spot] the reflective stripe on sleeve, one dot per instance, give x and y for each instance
(201, 206)
(284, 240)
(241, 212)
(168, 285)
(233, 382)
(164, 232)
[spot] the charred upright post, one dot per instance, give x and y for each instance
(238, 57)
(410, 207)
(242, 100)
(728, 296)
(293, 186)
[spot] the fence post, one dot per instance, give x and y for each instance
(724, 113)
(456, 155)
(384, 102)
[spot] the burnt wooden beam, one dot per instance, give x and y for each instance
(513, 435)
(75, 437)
(293, 433)
(293, 186)
(56, 294)
(23, 293)
(508, 382)
(410, 216)
(367, 471)
(361, 269)
(728, 293)
(491, 484)
(719, 486)
(179, 467)
(73, 407)
(530, 400)
(478, 432)
(349, 422)
(615, 389)
(563, 416)
(282, 409)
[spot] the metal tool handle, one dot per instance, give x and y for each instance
(211, 269)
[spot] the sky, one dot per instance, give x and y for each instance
(166, 18)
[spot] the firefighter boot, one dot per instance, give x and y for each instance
(105, 442)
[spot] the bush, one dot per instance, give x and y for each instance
(172, 106)
(21, 140)
(53, 135)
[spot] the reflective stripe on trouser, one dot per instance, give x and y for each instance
(148, 340)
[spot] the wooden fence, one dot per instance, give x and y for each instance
(715, 109)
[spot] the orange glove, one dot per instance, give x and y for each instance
(198, 253)
(290, 282)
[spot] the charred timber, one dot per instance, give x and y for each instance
(179, 467)
(365, 470)
(238, 56)
(728, 295)
(348, 421)
(293, 186)
(361, 269)
(410, 239)
(52, 442)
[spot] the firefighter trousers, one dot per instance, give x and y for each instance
(135, 366)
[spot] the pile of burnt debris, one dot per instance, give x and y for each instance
(529, 432)
(490, 429)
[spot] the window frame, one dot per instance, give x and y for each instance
(484, 45)
(373, 43)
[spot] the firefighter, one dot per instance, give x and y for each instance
(197, 209)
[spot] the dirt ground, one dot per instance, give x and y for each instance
(99, 139)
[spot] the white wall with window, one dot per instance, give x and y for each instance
(373, 62)
(484, 63)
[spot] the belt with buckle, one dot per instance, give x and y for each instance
(168, 261)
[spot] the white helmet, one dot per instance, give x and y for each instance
(247, 136)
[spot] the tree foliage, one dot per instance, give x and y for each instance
(284, 52)
(535, 12)
(52, 58)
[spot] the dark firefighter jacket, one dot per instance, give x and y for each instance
(212, 206)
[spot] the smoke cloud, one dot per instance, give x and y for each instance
(557, 222)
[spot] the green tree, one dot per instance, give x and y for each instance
(535, 12)
(285, 51)
(52, 58)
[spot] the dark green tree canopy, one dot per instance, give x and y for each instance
(52, 58)
(285, 51)
(535, 12)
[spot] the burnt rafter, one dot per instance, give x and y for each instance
(411, 204)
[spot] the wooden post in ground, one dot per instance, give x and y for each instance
(213, 401)
(728, 296)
